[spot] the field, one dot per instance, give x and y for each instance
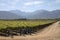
(23, 23)
(22, 27)
(51, 31)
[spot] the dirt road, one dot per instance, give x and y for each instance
(51, 32)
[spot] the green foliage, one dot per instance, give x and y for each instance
(23, 23)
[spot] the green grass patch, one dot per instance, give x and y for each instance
(23, 23)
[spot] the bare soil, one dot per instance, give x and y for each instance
(51, 32)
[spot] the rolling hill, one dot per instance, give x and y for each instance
(8, 15)
(39, 14)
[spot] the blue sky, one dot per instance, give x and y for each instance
(29, 5)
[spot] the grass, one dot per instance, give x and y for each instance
(23, 23)
(22, 27)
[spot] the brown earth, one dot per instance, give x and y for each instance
(51, 32)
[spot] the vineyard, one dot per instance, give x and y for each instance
(22, 27)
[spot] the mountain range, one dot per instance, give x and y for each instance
(39, 14)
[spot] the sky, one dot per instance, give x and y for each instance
(29, 5)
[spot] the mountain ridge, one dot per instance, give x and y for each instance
(39, 14)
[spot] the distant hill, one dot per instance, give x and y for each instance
(39, 14)
(55, 13)
(20, 13)
(8, 15)
(44, 14)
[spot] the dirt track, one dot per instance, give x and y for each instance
(49, 33)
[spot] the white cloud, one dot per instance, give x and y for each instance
(3, 4)
(14, 2)
(10, 1)
(57, 1)
(33, 3)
